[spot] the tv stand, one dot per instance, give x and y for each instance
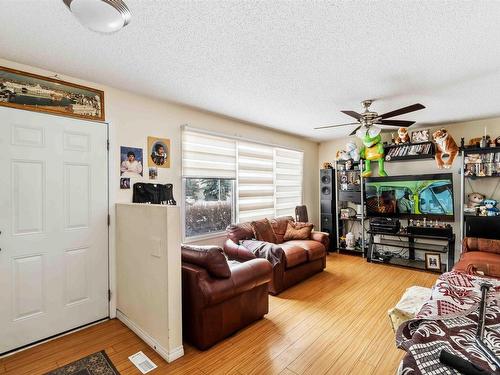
(409, 244)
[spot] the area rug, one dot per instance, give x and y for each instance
(94, 364)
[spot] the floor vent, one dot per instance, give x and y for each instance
(142, 362)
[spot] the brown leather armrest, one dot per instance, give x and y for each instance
(237, 252)
(244, 276)
(322, 237)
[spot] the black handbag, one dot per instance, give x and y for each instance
(153, 193)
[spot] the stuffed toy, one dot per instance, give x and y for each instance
(474, 200)
(445, 145)
(352, 151)
(372, 150)
(403, 136)
(327, 165)
(475, 141)
(497, 141)
(491, 207)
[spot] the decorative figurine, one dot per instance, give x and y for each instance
(474, 200)
(446, 145)
(372, 150)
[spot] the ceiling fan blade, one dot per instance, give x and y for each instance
(355, 130)
(401, 111)
(336, 126)
(403, 123)
(356, 115)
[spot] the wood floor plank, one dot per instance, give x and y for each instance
(333, 323)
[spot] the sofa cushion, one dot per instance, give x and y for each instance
(279, 225)
(314, 249)
(263, 231)
(481, 244)
(479, 262)
(294, 255)
(211, 258)
(298, 231)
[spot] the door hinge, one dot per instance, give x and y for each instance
(109, 220)
(107, 144)
(109, 295)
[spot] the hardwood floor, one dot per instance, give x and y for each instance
(334, 323)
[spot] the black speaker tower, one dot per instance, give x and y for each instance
(327, 199)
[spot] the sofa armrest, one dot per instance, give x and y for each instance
(244, 276)
(322, 237)
(237, 252)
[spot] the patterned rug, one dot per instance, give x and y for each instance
(94, 364)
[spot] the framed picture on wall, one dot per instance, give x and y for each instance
(37, 93)
(159, 152)
(433, 261)
(131, 164)
(421, 135)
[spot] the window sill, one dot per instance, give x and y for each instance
(202, 237)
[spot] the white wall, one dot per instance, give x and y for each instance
(467, 130)
(135, 117)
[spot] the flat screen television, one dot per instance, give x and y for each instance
(428, 195)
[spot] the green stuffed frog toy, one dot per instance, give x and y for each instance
(372, 150)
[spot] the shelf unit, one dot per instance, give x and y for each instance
(390, 148)
(345, 194)
(469, 170)
(409, 243)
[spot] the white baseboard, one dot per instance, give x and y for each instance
(168, 356)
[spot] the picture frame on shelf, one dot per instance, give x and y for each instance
(420, 135)
(433, 261)
(33, 92)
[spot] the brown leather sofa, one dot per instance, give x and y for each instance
(219, 297)
(479, 256)
(298, 259)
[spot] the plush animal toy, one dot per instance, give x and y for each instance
(327, 165)
(497, 142)
(475, 141)
(445, 145)
(403, 136)
(474, 200)
(491, 207)
(372, 149)
(352, 151)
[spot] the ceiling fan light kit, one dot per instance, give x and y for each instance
(368, 119)
(103, 16)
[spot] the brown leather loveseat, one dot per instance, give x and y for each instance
(296, 259)
(220, 297)
(479, 256)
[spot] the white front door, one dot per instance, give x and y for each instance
(53, 223)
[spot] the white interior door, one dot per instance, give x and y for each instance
(53, 223)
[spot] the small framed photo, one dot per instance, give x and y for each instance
(433, 261)
(124, 183)
(421, 135)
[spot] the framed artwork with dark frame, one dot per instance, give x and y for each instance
(433, 261)
(37, 93)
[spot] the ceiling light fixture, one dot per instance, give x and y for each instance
(103, 16)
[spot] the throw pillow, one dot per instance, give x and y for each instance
(298, 231)
(263, 231)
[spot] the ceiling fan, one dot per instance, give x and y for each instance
(369, 118)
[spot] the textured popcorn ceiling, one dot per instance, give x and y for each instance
(289, 65)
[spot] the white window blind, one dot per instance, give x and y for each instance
(288, 170)
(255, 181)
(208, 156)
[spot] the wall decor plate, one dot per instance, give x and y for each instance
(37, 93)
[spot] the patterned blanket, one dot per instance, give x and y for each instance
(449, 321)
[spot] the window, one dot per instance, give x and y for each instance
(208, 205)
(231, 180)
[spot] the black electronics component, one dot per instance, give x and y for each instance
(384, 225)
